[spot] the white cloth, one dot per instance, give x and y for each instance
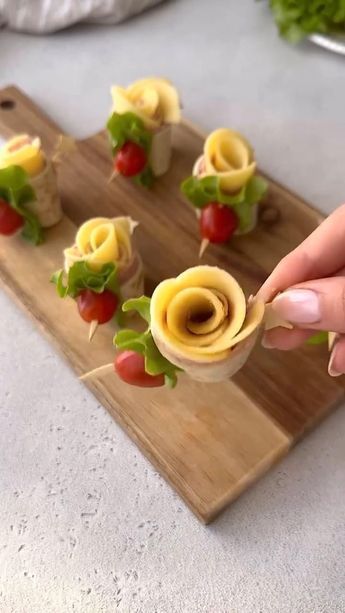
(43, 16)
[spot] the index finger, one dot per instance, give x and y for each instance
(320, 255)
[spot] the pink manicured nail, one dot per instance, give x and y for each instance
(300, 306)
(332, 371)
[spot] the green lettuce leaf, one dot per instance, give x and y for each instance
(201, 192)
(140, 305)
(80, 277)
(318, 339)
(145, 178)
(143, 343)
(16, 190)
(127, 127)
(299, 18)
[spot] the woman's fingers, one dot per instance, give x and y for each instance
(336, 364)
(314, 305)
(321, 254)
(281, 338)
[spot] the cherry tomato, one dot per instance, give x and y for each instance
(130, 367)
(10, 220)
(99, 307)
(217, 222)
(130, 160)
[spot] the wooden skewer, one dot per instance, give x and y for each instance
(98, 372)
(92, 330)
(332, 337)
(65, 145)
(203, 246)
(113, 176)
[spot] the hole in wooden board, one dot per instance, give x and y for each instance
(269, 215)
(7, 104)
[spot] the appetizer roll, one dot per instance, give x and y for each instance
(16, 199)
(101, 241)
(223, 188)
(101, 269)
(199, 322)
(27, 153)
(140, 128)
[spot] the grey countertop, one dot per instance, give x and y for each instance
(86, 525)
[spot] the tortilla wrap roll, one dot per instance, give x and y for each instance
(27, 153)
(229, 157)
(200, 322)
(156, 103)
(103, 240)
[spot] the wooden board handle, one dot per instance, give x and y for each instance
(19, 114)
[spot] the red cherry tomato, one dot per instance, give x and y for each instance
(99, 307)
(130, 160)
(10, 220)
(130, 367)
(217, 223)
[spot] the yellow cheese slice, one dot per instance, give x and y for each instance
(202, 314)
(230, 157)
(23, 151)
(102, 240)
(154, 100)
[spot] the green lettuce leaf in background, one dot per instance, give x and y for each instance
(80, 277)
(129, 127)
(17, 191)
(143, 343)
(299, 18)
(201, 192)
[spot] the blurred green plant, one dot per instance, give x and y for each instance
(299, 18)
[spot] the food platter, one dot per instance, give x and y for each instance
(209, 441)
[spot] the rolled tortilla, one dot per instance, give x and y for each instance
(26, 152)
(47, 206)
(156, 102)
(102, 240)
(161, 150)
(200, 322)
(229, 156)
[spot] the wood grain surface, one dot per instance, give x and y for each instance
(209, 441)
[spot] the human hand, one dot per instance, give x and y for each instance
(312, 281)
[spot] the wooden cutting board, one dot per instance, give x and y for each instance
(209, 441)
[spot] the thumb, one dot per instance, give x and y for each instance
(316, 305)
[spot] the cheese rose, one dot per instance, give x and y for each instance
(23, 151)
(228, 156)
(154, 100)
(201, 323)
(101, 241)
(26, 152)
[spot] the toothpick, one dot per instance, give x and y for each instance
(97, 372)
(65, 145)
(92, 329)
(113, 176)
(332, 338)
(203, 246)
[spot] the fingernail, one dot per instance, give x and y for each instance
(266, 343)
(300, 306)
(332, 370)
